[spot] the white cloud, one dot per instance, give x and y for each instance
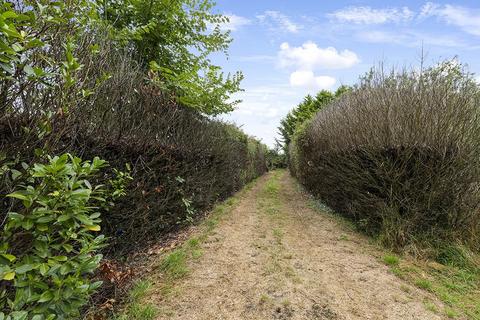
(309, 56)
(465, 18)
(234, 23)
(409, 38)
(428, 9)
(307, 79)
(368, 15)
(278, 21)
(262, 108)
(377, 36)
(258, 109)
(262, 101)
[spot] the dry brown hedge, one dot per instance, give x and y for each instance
(175, 153)
(400, 155)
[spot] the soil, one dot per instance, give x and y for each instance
(276, 256)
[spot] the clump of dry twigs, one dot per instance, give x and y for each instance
(400, 155)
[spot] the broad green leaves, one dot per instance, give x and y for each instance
(39, 58)
(58, 220)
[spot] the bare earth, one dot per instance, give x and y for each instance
(276, 257)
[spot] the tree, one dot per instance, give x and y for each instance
(174, 38)
(305, 111)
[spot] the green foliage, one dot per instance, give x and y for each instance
(95, 98)
(37, 50)
(424, 284)
(458, 256)
(187, 203)
(136, 308)
(14, 41)
(276, 158)
(294, 156)
(391, 260)
(174, 39)
(455, 282)
(49, 245)
(100, 78)
(174, 265)
(305, 111)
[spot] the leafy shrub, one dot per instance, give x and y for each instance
(38, 55)
(276, 158)
(176, 39)
(39, 39)
(49, 244)
(400, 154)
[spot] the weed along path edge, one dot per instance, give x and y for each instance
(268, 253)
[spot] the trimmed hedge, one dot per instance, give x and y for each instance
(194, 159)
(400, 155)
(182, 162)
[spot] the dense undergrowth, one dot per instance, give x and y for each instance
(399, 154)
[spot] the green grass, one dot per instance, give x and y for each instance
(457, 256)
(272, 186)
(454, 278)
(265, 299)
(194, 244)
(456, 283)
(175, 265)
(278, 235)
(269, 197)
(391, 260)
(452, 314)
(343, 237)
(136, 308)
(424, 284)
(141, 312)
(140, 289)
(430, 306)
(270, 205)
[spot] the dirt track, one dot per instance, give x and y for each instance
(276, 257)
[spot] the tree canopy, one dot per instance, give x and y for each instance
(304, 111)
(175, 38)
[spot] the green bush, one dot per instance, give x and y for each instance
(49, 243)
(400, 154)
(276, 158)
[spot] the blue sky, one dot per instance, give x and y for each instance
(287, 49)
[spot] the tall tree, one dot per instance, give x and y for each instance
(175, 39)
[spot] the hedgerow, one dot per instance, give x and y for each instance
(400, 155)
(74, 81)
(105, 80)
